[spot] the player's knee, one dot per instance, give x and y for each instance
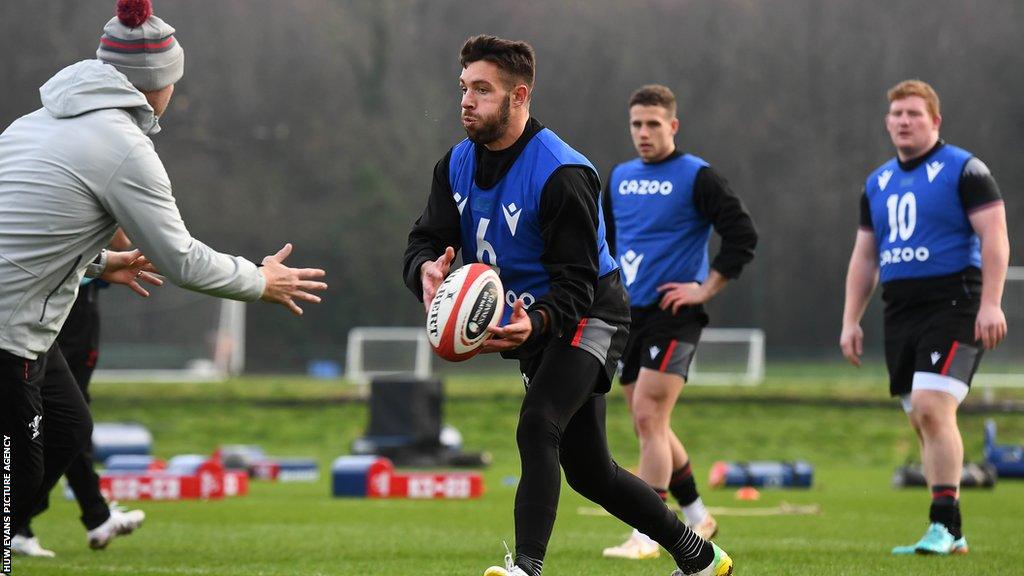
(932, 423)
(915, 424)
(589, 479)
(587, 486)
(576, 479)
(81, 430)
(931, 418)
(28, 480)
(649, 423)
(31, 470)
(536, 429)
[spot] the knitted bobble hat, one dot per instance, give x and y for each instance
(142, 46)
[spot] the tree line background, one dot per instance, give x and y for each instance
(318, 122)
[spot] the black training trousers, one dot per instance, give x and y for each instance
(562, 422)
(43, 414)
(79, 340)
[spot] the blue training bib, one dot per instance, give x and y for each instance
(659, 235)
(501, 225)
(920, 225)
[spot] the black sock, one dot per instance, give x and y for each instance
(529, 565)
(691, 553)
(26, 531)
(662, 493)
(682, 486)
(945, 508)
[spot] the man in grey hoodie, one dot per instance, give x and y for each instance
(70, 174)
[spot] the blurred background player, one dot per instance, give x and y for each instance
(516, 197)
(70, 173)
(659, 210)
(933, 228)
(79, 342)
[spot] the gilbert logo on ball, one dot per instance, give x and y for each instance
(466, 304)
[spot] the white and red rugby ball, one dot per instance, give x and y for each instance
(466, 304)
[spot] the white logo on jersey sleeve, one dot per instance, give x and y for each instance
(654, 351)
(933, 169)
(512, 214)
(460, 202)
(883, 179)
(630, 262)
(935, 357)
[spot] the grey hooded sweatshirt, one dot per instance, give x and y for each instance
(70, 174)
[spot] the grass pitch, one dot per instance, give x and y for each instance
(846, 427)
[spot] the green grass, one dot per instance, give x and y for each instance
(842, 423)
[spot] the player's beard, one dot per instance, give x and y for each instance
(487, 130)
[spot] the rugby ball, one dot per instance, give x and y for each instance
(466, 304)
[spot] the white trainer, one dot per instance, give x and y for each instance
(721, 565)
(120, 523)
(506, 571)
(637, 547)
(706, 528)
(510, 568)
(29, 547)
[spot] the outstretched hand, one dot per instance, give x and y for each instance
(432, 273)
(511, 335)
(129, 268)
(285, 285)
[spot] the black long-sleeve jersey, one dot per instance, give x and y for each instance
(569, 223)
(715, 201)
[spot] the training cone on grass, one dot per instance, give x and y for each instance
(748, 493)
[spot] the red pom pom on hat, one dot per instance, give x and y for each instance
(132, 13)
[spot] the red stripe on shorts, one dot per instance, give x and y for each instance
(579, 332)
(668, 355)
(949, 358)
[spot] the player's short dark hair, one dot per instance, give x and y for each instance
(654, 95)
(514, 58)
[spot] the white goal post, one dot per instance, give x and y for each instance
(361, 366)
(724, 356)
(729, 356)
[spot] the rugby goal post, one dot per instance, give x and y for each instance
(728, 356)
(1004, 366)
(175, 335)
(374, 351)
(724, 356)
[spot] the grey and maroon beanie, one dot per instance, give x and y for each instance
(142, 46)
